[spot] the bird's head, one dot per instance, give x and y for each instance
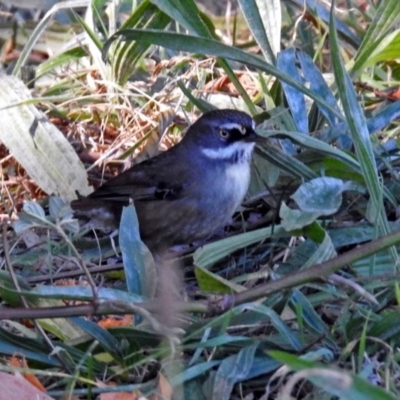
(226, 135)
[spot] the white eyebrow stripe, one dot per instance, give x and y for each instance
(226, 153)
(232, 125)
(240, 127)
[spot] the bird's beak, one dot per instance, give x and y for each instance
(253, 137)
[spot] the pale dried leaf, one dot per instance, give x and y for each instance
(17, 387)
(37, 144)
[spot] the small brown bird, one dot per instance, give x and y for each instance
(186, 193)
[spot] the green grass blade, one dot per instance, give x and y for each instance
(195, 44)
(360, 135)
(386, 16)
(264, 20)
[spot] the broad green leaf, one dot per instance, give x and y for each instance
(212, 283)
(280, 325)
(193, 371)
(209, 254)
(325, 251)
(62, 328)
(311, 317)
(295, 219)
(287, 62)
(232, 370)
(220, 340)
(83, 293)
(138, 263)
(238, 316)
(32, 349)
(319, 85)
(62, 214)
(105, 338)
(320, 195)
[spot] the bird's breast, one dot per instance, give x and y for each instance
(237, 182)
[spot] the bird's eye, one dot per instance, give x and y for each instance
(224, 134)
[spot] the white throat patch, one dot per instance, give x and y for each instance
(229, 152)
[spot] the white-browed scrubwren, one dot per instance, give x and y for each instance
(187, 192)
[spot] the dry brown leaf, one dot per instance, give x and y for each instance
(113, 322)
(224, 84)
(66, 282)
(164, 388)
(17, 387)
(20, 362)
(394, 94)
(121, 396)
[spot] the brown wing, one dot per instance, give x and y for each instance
(156, 179)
